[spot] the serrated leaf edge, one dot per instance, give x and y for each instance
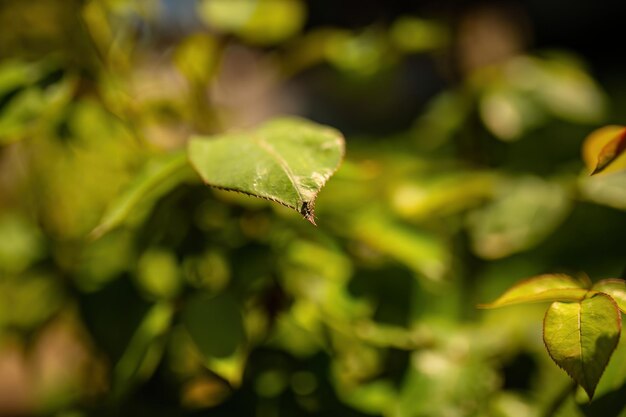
(618, 280)
(619, 323)
(307, 208)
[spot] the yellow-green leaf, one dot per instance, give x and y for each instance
(548, 287)
(616, 288)
(525, 210)
(411, 34)
(156, 178)
(196, 57)
(603, 147)
(580, 337)
(144, 350)
(263, 22)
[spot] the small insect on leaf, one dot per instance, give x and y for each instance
(307, 211)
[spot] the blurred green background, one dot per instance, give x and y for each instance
(464, 125)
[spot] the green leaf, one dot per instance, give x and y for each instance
(508, 113)
(548, 287)
(287, 160)
(214, 323)
(158, 274)
(423, 252)
(616, 288)
(374, 397)
(261, 22)
(197, 57)
(410, 34)
(156, 178)
(360, 54)
(607, 190)
(144, 350)
(580, 337)
(525, 211)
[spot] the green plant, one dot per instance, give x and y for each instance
(581, 327)
(130, 287)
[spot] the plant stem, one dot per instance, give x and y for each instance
(558, 401)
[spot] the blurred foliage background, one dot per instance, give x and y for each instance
(464, 126)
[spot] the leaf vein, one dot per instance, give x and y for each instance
(269, 149)
(580, 344)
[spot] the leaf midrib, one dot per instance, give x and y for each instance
(580, 344)
(269, 149)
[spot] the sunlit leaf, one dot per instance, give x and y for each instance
(508, 114)
(568, 91)
(439, 378)
(603, 147)
(362, 54)
(443, 195)
(301, 338)
(21, 243)
(196, 57)
(16, 74)
(607, 189)
(214, 323)
(80, 180)
(230, 368)
(263, 22)
(581, 337)
(156, 178)
(285, 160)
(549, 287)
(29, 300)
(445, 116)
(616, 288)
(411, 34)
(373, 398)
(598, 140)
(423, 252)
(524, 211)
(559, 84)
(158, 274)
(144, 348)
(97, 22)
(20, 113)
(25, 105)
(329, 264)
(309, 49)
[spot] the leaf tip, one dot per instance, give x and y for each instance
(598, 169)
